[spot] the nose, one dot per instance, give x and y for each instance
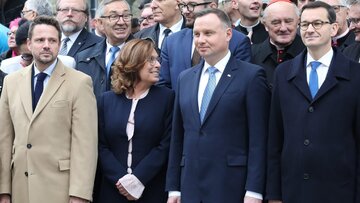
(153, 5)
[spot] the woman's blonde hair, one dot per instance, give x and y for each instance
(131, 60)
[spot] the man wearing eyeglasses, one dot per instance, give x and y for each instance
(344, 37)
(179, 51)
(146, 17)
(115, 18)
(72, 16)
(168, 20)
(34, 8)
(314, 128)
(353, 51)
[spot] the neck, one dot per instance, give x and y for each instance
(318, 53)
(248, 22)
(139, 89)
(215, 59)
(172, 21)
(41, 66)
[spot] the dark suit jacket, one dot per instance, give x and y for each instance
(218, 160)
(346, 41)
(353, 51)
(265, 55)
(83, 41)
(259, 33)
(150, 143)
(176, 54)
(92, 62)
(313, 150)
(2, 76)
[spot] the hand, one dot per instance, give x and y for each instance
(5, 198)
(275, 201)
(77, 200)
(124, 192)
(175, 199)
(251, 200)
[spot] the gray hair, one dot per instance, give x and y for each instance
(354, 2)
(342, 3)
(296, 10)
(41, 7)
(100, 10)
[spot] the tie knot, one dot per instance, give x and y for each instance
(315, 65)
(41, 77)
(114, 49)
(212, 70)
(167, 32)
(66, 40)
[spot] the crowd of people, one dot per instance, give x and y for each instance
(192, 101)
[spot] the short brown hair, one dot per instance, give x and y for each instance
(44, 20)
(131, 60)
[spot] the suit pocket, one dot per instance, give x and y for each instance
(60, 104)
(239, 160)
(64, 165)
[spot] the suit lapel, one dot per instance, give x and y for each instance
(56, 79)
(195, 89)
(78, 43)
(222, 85)
(297, 75)
(188, 47)
(26, 91)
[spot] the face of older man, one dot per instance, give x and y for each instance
(354, 18)
(281, 21)
(164, 10)
(71, 15)
(341, 14)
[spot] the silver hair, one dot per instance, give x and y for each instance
(100, 10)
(41, 7)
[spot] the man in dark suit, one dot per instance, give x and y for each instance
(178, 52)
(344, 37)
(2, 76)
(97, 60)
(314, 128)
(280, 20)
(169, 20)
(73, 15)
(250, 24)
(217, 151)
(353, 51)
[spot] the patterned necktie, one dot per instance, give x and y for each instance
(209, 89)
(38, 88)
(166, 32)
(63, 51)
(313, 80)
(111, 60)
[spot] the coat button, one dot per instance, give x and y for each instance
(311, 109)
(28, 146)
(26, 174)
(306, 142)
(306, 176)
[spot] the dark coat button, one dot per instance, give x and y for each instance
(306, 176)
(311, 109)
(26, 174)
(28, 146)
(306, 142)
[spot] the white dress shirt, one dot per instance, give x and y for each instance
(72, 39)
(322, 70)
(108, 52)
(175, 28)
(49, 70)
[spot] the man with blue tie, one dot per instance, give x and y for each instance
(218, 144)
(314, 128)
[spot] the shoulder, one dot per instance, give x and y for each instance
(160, 90)
(92, 51)
(91, 37)
(146, 32)
(238, 35)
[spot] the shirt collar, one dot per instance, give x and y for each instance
(220, 65)
(49, 70)
(342, 35)
(175, 28)
(326, 59)
(108, 46)
(72, 37)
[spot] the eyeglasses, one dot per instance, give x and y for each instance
(149, 18)
(10, 33)
(337, 8)
(354, 20)
(27, 57)
(115, 18)
(191, 6)
(72, 10)
(316, 24)
(22, 13)
(152, 60)
(224, 2)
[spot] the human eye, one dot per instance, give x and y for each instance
(317, 23)
(113, 17)
(289, 21)
(275, 22)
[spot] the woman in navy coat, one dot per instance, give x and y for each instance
(134, 128)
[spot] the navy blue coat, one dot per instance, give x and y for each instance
(85, 40)
(218, 160)
(176, 54)
(151, 141)
(314, 143)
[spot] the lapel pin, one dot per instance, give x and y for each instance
(229, 75)
(79, 43)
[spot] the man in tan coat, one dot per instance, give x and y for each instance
(48, 136)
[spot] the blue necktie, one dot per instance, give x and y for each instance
(313, 80)
(111, 60)
(38, 88)
(209, 89)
